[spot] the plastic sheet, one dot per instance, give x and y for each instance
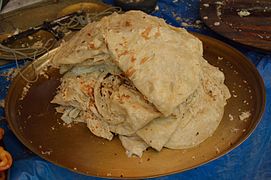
(251, 160)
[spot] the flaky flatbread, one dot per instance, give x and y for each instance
(206, 114)
(143, 47)
(134, 75)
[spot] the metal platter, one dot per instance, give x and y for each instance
(244, 21)
(30, 46)
(39, 42)
(36, 124)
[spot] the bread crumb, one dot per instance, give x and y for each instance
(219, 3)
(220, 58)
(244, 115)
(205, 17)
(217, 150)
(46, 76)
(25, 91)
(206, 5)
(193, 157)
(235, 130)
(243, 13)
(231, 117)
(30, 37)
(217, 23)
(260, 36)
(46, 152)
(218, 10)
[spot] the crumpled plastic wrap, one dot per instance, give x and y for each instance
(251, 160)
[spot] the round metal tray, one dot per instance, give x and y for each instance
(229, 19)
(36, 124)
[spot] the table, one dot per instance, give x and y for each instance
(251, 160)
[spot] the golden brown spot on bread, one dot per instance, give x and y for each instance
(143, 60)
(157, 34)
(136, 106)
(123, 53)
(133, 59)
(145, 34)
(123, 44)
(90, 90)
(123, 97)
(91, 45)
(130, 72)
(128, 23)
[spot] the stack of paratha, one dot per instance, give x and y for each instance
(137, 77)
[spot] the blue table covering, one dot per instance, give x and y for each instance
(251, 160)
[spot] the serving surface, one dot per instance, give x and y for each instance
(243, 21)
(35, 122)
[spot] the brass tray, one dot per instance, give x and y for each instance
(36, 124)
(226, 19)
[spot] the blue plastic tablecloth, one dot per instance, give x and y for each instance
(251, 160)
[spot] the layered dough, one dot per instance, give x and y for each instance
(134, 75)
(143, 47)
(103, 99)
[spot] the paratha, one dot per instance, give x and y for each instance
(126, 37)
(135, 76)
(99, 91)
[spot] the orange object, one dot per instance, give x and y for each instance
(5, 159)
